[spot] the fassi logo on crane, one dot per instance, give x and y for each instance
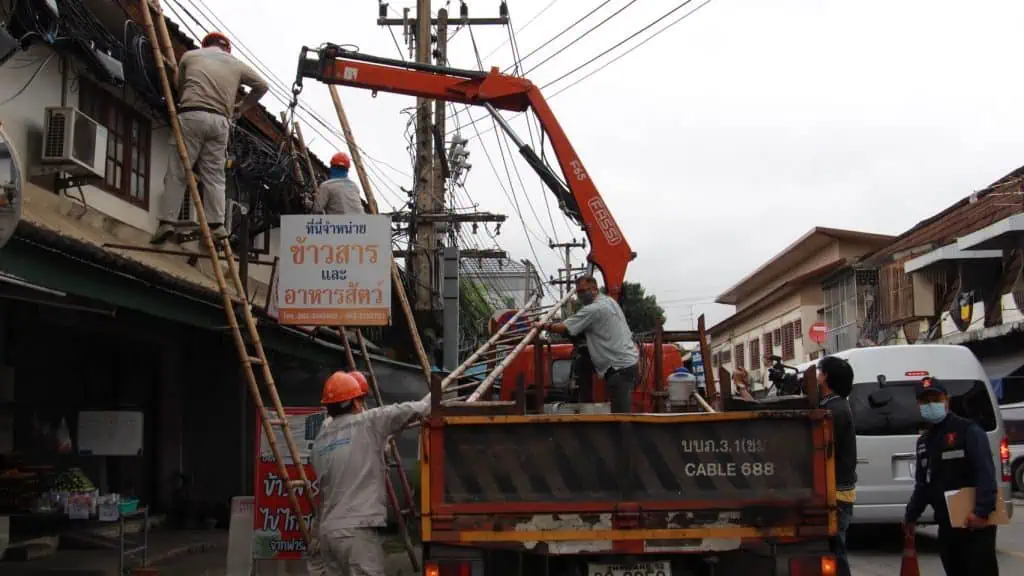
(605, 222)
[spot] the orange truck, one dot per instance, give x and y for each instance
(556, 380)
(508, 490)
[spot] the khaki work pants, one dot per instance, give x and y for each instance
(353, 552)
(206, 140)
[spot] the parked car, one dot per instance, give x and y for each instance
(1013, 421)
(888, 421)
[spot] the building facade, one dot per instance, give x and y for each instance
(92, 319)
(778, 302)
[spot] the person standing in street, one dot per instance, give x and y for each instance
(348, 456)
(609, 341)
(338, 194)
(209, 80)
(954, 453)
(835, 382)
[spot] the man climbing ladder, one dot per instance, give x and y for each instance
(209, 80)
(272, 422)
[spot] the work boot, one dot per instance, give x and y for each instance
(219, 232)
(163, 232)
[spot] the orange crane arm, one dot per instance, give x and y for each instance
(575, 191)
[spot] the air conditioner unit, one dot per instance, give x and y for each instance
(75, 142)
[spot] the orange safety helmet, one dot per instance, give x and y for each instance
(340, 387)
(341, 159)
(216, 38)
(361, 378)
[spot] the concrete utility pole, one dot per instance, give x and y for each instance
(429, 177)
(422, 240)
(566, 269)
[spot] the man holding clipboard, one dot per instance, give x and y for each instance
(953, 460)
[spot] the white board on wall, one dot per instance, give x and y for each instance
(110, 433)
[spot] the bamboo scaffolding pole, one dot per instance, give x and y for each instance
(486, 384)
(371, 201)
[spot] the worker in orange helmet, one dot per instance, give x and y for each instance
(209, 80)
(338, 194)
(348, 459)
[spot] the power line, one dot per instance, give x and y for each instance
(620, 56)
(525, 26)
(627, 39)
(565, 30)
(582, 36)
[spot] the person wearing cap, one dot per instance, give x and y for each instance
(209, 83)
(338, 194)
(953, 453)
(348, 456)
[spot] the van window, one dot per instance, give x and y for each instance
(893, 411)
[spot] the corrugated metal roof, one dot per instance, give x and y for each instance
(974, 212)
(492, 267)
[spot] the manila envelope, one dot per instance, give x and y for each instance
(961, 502)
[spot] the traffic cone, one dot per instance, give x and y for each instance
(909, 566)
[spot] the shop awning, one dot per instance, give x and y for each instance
(999, 367)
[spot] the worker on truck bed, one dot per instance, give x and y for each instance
(208, 85)
(609, 341)
(338, 194)
(835, 381)
(953, 453)
(348, 456)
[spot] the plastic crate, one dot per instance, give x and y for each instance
(128, 506)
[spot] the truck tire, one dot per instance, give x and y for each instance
(1018, 476)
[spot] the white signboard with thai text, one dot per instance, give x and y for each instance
(334, 270)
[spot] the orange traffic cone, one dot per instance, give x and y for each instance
(909, 567)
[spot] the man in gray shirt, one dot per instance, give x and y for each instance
(208, 88)
(338, 194)
(609, 341)
(348, 456)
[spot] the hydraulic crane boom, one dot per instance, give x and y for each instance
(577, 195)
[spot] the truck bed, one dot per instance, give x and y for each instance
(644, 478)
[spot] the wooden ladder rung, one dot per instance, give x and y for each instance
(297, 483)
(255, 361)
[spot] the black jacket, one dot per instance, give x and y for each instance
(952, 454)
(845, 441)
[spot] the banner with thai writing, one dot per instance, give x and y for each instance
(276, 533)
(334, 270)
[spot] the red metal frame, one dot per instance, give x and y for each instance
(610, 252)
(441, 514)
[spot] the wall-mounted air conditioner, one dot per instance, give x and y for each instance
(74, 142)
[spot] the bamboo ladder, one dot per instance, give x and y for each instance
(163, 56)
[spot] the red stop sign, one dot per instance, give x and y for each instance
(818, 332)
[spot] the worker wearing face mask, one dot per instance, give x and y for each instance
(609, 341)
(954, 453)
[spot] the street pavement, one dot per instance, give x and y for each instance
(880, 552)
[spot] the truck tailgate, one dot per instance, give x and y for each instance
(566, 477)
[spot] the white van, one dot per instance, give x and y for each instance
(887, 420)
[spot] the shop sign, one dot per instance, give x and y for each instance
(334, 270)
(276, 533)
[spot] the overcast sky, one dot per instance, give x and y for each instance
(720, 141)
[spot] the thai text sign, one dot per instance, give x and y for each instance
(334, 270)
(276, 533)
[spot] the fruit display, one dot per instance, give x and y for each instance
(73, 481)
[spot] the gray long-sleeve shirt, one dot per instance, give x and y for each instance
(348, 456)
(609, 339)
(210, 77)
(338, 196)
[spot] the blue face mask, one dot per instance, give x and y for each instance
(933, 412)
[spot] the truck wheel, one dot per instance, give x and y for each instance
(1018, 476)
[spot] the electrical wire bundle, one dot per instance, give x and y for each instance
(140, 69)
